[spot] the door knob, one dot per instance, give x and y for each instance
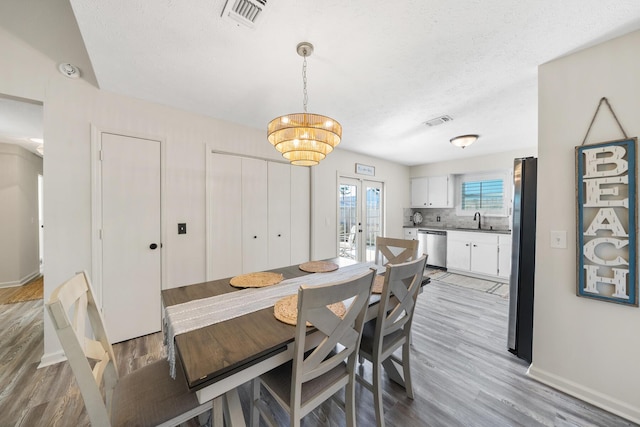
(153, 246)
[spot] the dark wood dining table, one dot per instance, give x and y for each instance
(220, 357)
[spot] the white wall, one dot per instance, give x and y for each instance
(324, 204)
(585, 347)
(71, 107)
(498, 161)
(19, 255)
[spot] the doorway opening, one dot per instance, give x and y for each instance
(360, 217)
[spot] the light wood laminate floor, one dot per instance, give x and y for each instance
(462, 373)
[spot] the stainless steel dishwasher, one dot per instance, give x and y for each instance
(434, 244)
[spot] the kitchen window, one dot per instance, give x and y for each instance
(486, 193)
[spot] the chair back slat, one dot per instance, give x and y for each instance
(75, 298)
(395, 251)
(399, 295)
(345, 331)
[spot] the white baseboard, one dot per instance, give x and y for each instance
(20, 282)
(52, 358)
(594, 397)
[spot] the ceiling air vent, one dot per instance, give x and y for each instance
(438, 120)
(244, 12)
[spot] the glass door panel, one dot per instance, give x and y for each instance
(348, 218)
(373, 214)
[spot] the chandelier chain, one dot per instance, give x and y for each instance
(305, 98)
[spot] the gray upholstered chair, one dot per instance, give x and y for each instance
(315, 376)
(391, 329)
(395, 251)
(146, 397)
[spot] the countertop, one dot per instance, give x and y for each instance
(449, 228)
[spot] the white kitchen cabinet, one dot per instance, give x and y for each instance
(458, 252)
(440, 191)
(504, 255)
(411, 234)
(420, 192)
(473, 252)
(432, 192)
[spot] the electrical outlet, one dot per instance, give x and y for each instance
(182, 228)
(558, 239)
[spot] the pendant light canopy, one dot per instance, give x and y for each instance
(464, 140)
(304, 138)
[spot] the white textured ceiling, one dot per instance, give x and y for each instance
(381, 68)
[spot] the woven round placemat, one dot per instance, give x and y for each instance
(378, 283)
(256, 280)
(286, 309)
(318, 266)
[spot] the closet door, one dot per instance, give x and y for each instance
(279, 229)
(225, 220)
(255, 241)
(300, 214)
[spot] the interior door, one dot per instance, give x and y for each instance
(255, 242)
(279, 218)
(360, 217)
(131, 238)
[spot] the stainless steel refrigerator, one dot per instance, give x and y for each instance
(523, 256)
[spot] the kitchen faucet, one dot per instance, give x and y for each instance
(478, 217)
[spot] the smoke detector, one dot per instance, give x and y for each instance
(438, 120)
(69, 70)
(244, 12)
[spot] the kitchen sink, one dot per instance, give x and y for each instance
(481, 230)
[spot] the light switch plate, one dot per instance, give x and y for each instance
(558, 239)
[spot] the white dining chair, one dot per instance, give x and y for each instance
(395, 251)
(391, 329)
(313, 377)
(146, 397)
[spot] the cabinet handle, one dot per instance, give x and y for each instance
(467, 245)
(255, 237)
(279, 235)
(475, 246)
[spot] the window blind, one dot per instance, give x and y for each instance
(485, 195)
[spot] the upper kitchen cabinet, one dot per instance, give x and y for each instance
(432, 192)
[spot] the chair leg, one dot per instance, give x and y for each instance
(406, 368)
(254, 418)
(350, 402)
(377, 393)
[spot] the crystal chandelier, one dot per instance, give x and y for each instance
(303, 138)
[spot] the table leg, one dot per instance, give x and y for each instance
(233, 414)
(218, 410)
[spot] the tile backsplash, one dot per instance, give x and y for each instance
(449, 219)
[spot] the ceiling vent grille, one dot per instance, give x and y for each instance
(244, 12)
(438, 120)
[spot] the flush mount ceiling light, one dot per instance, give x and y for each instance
(464, 140)
(303, 138)
(69, 70)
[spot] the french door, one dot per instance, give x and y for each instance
(360, 217)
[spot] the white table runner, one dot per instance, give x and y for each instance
(181, 318)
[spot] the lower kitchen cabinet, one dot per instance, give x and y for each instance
(411, 234)
(504, 256)
(475, 253)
